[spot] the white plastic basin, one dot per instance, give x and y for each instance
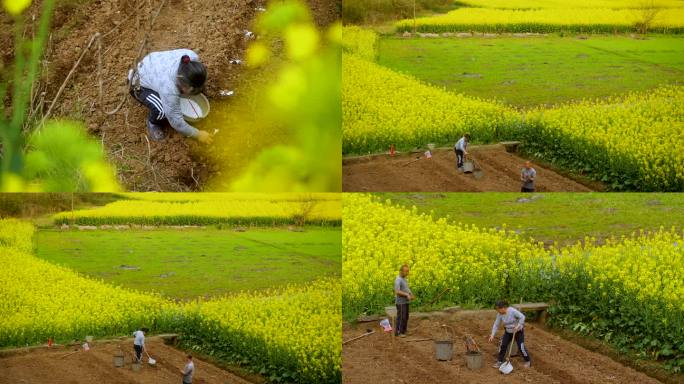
(195, 107)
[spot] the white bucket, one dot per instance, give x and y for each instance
(151, 361)
(195, 107)
(506, 368)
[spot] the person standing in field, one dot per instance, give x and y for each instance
(514, 324)
(460, 148)
(402, 295)
(139, 343)
(527, 176)
(188, 371)
(158, 83)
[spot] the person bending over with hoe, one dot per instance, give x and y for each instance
(403, 295)
(527, 176)
(158, 83)
(139, 343)
(188, 371)
(460, 148)
(514, 324)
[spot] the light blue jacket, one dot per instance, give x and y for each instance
(158, 72)
(512, 318)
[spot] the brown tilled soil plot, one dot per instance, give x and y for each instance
(501, 173)
(212, 28)
(374, 359)
(55, 366)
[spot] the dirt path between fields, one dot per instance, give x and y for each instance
(97, 366)
(374, 359)
(501, 173)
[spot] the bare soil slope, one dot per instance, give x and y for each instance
(215, 29)
(501, 173)
(97, 366)
(374, 359)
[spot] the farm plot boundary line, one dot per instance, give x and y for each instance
(634, 58)
(24, 350)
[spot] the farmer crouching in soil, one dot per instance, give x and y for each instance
(514, 324)
(403, 295)
(139, 343)
(527, 177)
(460, 148)
(158, 83)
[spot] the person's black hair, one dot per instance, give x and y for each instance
(192, 74)
(467, 136)
(145, 329)
(189, 356)
(402, 267)
(501, 304)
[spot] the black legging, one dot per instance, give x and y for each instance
(138, 352)
(152, 101)
(402, 318)
(506, 341)
(459, 157)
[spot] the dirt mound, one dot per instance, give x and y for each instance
(211, 28)
(501, 173)
(97, 366)
(374, 359)
(215, 29)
